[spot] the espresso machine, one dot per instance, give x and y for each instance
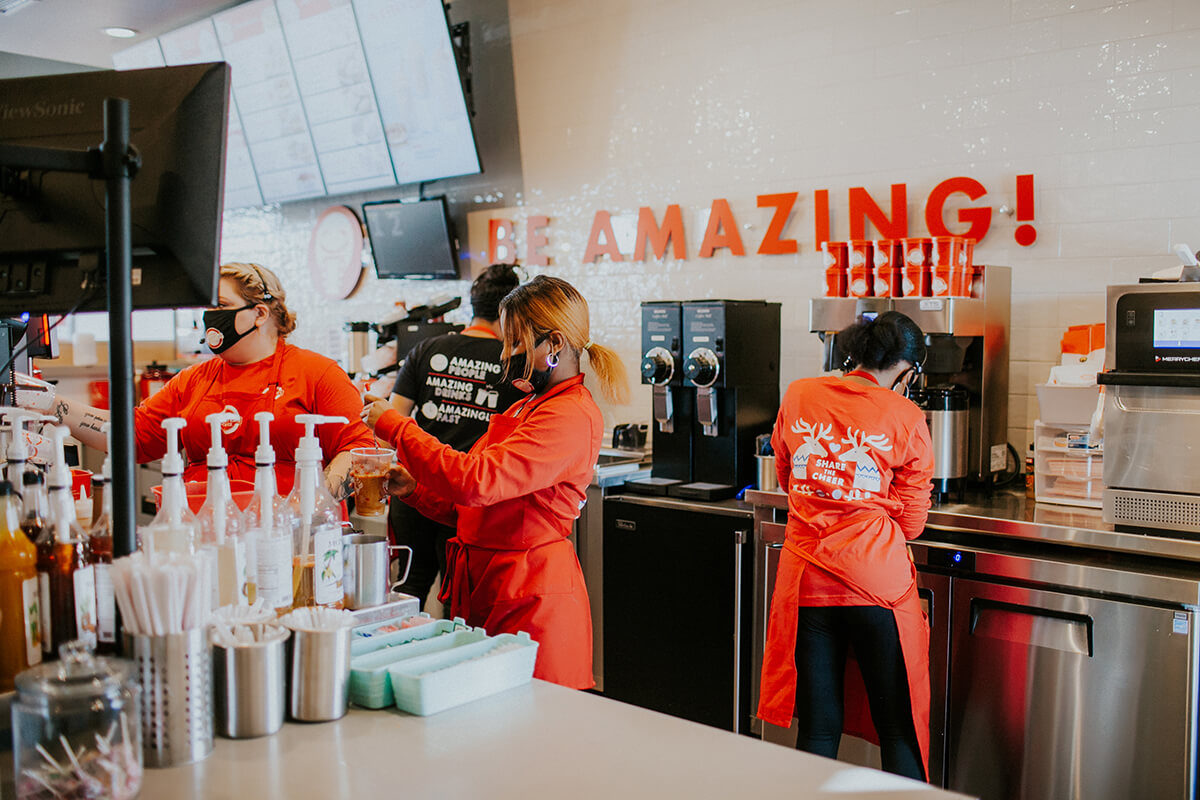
(673, 406)
(731, 365)
(967, 343)
(1152, 407)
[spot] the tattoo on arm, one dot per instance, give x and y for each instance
(61, 409)
(92, 422)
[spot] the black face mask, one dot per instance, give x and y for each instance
(537, 381)
(220, 328)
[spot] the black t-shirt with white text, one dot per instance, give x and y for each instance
(455, 383)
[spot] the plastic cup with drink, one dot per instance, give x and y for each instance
(368, 471)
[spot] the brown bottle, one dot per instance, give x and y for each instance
(20, 647)
(100, 548)
(70, 580)
(34, 508)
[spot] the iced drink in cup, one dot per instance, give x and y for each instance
(368, 470)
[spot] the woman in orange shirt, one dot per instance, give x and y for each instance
(514, 496)
(255, 370)
(856, 461)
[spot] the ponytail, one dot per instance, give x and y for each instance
(610, 371)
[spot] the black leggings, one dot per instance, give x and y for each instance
(822, 636)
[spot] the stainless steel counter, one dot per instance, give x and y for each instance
(538, 741)
(1055, 638)
(1010, 515)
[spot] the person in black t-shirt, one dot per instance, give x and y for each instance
(451, 385)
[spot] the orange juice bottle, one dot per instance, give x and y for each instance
(20, 632)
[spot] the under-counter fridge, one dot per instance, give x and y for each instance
(677, 610)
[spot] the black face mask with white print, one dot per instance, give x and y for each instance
(220, 328)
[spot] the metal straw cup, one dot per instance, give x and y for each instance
(319, 683)
(768, 478)
(251, 688)
(175, 674)
(365, 569)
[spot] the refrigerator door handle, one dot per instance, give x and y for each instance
(1059, 630)
(739, 540)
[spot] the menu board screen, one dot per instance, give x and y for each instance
(1177, 328)
(330, 96)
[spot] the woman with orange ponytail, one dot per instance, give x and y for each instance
(514, 497)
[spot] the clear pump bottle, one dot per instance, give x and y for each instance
(70, 582)
(20, 624)
(317, 564)
(100, 546)
(269, 524)
(174, 528)
(222, 525)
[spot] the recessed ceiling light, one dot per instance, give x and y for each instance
(121, 33)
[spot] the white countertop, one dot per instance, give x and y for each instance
(536, 741)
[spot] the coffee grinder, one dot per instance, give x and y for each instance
(673, 406)
(732, 368)
(967, 341)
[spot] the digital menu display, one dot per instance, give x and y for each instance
(329, 96)
(1177, 328)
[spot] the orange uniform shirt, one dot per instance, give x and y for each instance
(289, 382)
(513, 500)
(856, 462)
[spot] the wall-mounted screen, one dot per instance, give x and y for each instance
(412, 239)
(331, 97)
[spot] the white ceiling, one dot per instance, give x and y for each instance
(72, 30)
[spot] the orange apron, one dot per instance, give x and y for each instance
(513, 500)
(777, 699)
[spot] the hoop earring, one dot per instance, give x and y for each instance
(552, 360)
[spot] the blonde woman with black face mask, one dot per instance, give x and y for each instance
(255, 369)
(514, 497)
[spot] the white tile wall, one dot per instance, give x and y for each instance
(624, 104)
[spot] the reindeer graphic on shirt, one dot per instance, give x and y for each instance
(813, 434)
(866, 471)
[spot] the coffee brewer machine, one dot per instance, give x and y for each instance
(1152, 406)
(673, 406)
(967, 358)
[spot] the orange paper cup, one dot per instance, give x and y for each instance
(861, 281)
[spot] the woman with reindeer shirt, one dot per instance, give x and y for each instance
(855, 458)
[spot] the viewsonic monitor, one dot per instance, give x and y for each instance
(52, 224)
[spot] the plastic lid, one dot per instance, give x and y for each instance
(217, 458)
(76, 676)
(60, 472)
(264, 454)
(309, 449)
(17, 449)
(172, 463)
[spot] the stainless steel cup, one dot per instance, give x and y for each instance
(250, 683)
(175, 674)
(365, 572)
(768, 478)
(319, 685)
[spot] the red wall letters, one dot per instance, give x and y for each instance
(723, 230)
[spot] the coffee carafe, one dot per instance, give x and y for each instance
(946, 408)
